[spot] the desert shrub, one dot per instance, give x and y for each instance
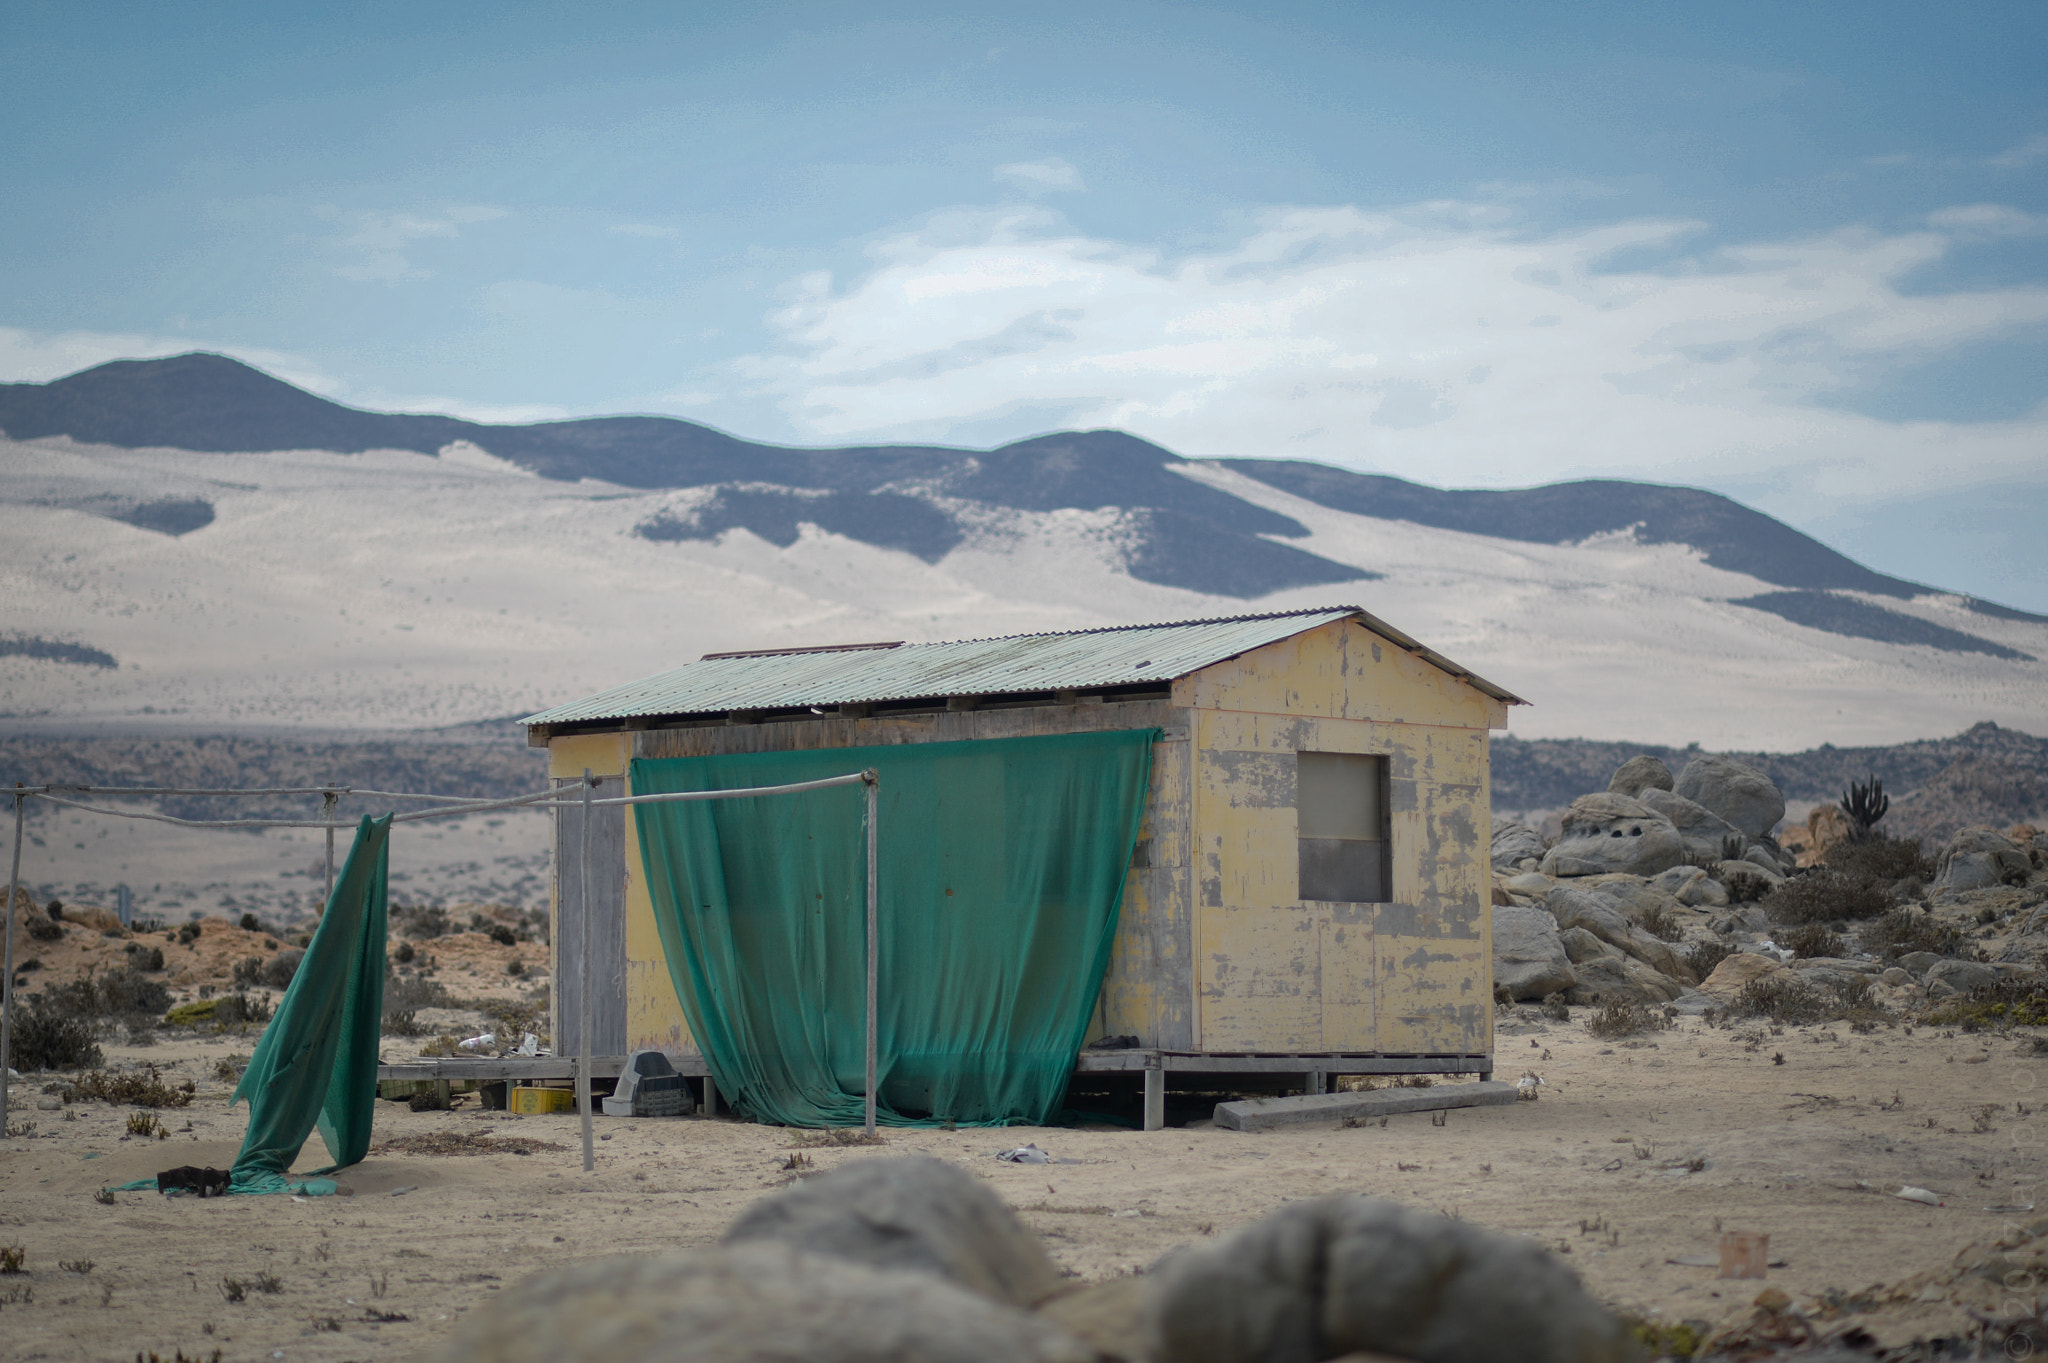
(148, 959)
(404, 996)
(1657, 921)
(405, 953)
(48, 1038)
(1733, 845)
(2008, 1003)
(1903, 931)
(23, 967)
(277, 972)
(501, 934)
(1555, 1008)
(1824, 896)
(1623, 1018)
(1811, 939)
(1746, 887)
(44, 929)
(1877, 857)
(229, 1010)
(1790, 1001)
(248, 971)
(117, 993)
(421, 922)
(1707, 954)
(134, 1090)
(188, 934)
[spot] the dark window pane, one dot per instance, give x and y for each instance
(1345, 870)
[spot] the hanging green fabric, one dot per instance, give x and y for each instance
(1002, 867)
(317, 1061)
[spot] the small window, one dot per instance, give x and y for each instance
(1341, 802)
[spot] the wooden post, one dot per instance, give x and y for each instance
(583, 984)
(873, 784)
(327, 817)
(7, 984)
(1155, 1093)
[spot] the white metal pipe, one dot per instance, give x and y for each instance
(7, 981)
(874, 785)
(327, 814)
(583, 986)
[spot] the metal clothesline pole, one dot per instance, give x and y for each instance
(7, 981)
(874, 785)
(583, 983)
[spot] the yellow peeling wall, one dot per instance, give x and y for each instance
(654, 1016)
(1274, 973)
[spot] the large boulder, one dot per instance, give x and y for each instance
(1640, 773)
(1691, 886)
(1513, 843)
(1529, 960)
(1621, 979)
(1742, 795)
(1736, 972)
(919, 1213)
(1582, 946)
(1331, 1276)
(1606, 833)
(1960, 976)
(741, 1303)
(1705, 832)
(1605, 919)
(1978, 858)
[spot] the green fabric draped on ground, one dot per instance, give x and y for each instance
(1002, 867)
(316, 1063)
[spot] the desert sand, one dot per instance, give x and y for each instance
(1634, 1154)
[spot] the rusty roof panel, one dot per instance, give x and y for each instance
(1078, 660)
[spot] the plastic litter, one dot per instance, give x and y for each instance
(1025, 1154)
(529, 1044)
(2010, 1208)
(478, 1043)
(1912, 1194)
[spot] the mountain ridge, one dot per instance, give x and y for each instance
(1174, 531)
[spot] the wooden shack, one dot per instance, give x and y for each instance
(1309, 893)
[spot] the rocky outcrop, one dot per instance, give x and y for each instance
(1977, 858)
(1340, 1275)
(1605, 833)
(1742, 795)
(1707, 835)
(1638, 774)
(1514, 843)
(1736, 972)
(1529, 959)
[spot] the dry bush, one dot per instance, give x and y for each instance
(1657, 921)
(1826, 896)
(1746, 887)
(2009, 1003)
(1877, 857)
(421, 922)
(46, 1038)
(1620, 1018)
(43, 928)
(131, 1090)
(1791, 1001)
(117, 993)
(1706, 955)
(1903, 931)
(1811, 939)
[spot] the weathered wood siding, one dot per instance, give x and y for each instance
(607, 909)
(1276, 973)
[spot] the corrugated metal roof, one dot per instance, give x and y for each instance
(1079, 660)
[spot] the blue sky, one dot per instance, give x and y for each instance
(1794, 254)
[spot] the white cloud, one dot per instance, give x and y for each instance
(1051, 175)
(646, 230)
(1443, 342)
(380, 241)
(1987, 220)
(2022, 154)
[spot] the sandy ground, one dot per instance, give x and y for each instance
(1601, 1168)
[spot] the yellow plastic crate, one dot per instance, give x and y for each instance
(536, 1101)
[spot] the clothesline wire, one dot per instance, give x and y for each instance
(541, 799)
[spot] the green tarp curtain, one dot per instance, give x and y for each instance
(1002, 866)
(317, 1061)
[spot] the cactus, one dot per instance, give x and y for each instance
(1865, 803)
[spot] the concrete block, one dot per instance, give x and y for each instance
(1266, 1114)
